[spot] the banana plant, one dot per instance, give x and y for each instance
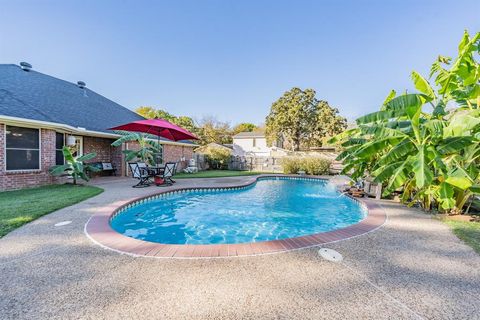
(432, 157)
(74, 166)
(147, 148)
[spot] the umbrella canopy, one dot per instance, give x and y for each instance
(158, 127)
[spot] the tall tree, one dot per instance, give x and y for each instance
(182, 121)
(299, 118)
(328, 124)
(210, 129)
(244, 127)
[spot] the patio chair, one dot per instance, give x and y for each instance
(167, 174)
(174, 172)
(139, 171)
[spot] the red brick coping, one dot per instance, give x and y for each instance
(99, 230)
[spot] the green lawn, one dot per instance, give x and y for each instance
(469, 232)
(215, 174)
(22, 206)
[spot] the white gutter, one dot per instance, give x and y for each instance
(72, 130)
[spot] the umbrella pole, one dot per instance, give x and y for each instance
(156, 157)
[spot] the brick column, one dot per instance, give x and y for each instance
(2, 157)
(48, 151)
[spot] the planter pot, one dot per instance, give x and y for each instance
(158, 180)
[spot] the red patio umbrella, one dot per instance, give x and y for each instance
(158, 127)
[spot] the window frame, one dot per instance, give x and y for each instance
(61, 150)
(39, 149)
(79, 152)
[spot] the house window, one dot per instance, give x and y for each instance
(22, 148)
(59, 143)
(78, 148)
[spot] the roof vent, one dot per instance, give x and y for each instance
(81, 84)
(25, 66)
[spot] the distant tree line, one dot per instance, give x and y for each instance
(208, 129)
(298, 119)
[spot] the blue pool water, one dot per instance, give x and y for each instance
(268, 210)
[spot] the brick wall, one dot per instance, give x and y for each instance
(101, 146)
(105, 152)
(29, 178)
(172, 153)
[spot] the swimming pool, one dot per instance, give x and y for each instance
(273, 208)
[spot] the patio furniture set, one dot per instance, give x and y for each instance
(147, 175)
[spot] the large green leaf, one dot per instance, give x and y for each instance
(390, 96)
(86, 157)
(454, 144)
(462, 123)
(384, 173)
(423, 174)
(381, 131)
(459, 178)
(445, 196)
(67, 154)
(375, 146)
(438, 163)
(435, 127)
(439, 110)
(411, 101)
(83, 176)
(475, 188)
(376, 116)
(354, 141)
(422, 85)
(401, 150)
(126, 137)
(398, 178)
(344, 135)
(59, 169)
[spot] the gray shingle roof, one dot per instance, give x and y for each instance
(37, 96)
(249, 135)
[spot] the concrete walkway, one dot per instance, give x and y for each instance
(411, 268)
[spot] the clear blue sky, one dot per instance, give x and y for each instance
(232, 59)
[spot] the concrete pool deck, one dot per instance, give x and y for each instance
(412, 267)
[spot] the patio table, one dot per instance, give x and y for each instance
(156, 170)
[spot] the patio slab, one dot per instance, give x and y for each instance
(412, 267)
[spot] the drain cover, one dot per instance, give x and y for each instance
(330, 255)
(63, 223)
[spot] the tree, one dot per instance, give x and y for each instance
(243, 127)
(182, 121)
(299, 118)
(328, 124)
(210, 129)
(431, 157)
(74, 166)
(147, 151)
(147, 112)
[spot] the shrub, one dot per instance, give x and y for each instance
(311, 165)
(217, 158)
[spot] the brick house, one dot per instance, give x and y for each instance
(39, 113)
